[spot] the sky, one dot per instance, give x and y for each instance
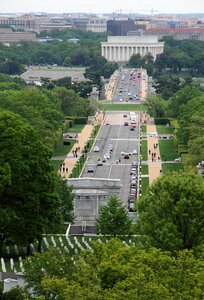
(102, 6)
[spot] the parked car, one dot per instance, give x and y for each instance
(96, 149)
(126, 156)
(132, 128)
(131, 206)
(126, 123)
(99, 163)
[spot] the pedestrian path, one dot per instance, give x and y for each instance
(154, 158)
(76, 151)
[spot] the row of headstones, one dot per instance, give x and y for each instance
(12, 265)
(77, 245)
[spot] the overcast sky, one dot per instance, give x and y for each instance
(102, 6)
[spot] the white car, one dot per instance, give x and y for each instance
(96, 149)
(107, 156)
(134, 151)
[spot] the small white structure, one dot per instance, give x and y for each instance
(121, 48)
(200, 168)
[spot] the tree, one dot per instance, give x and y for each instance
(172, 213)
(181, 97)
(135, 61)
(156, 106)
(28, 202)
(115, 271)
(113, 218)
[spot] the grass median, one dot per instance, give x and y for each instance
(122, 107)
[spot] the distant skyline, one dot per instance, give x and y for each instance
(102, 6)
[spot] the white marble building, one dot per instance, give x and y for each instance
(121, 48)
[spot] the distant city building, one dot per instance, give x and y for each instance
(90, 24)
(191, 33)
(7, 36)
(121, 48)
(120, 27)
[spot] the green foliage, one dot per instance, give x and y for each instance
(179, 55)
(181, 97)
(155, 106)
(172, 213)
(190, 120)
(28, 201)
(113, 218)
(116, 271)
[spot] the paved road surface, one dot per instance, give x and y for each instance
(122, 139)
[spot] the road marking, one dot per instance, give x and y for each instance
(115, 151)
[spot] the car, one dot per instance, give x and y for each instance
(99, 163)
(133, 186)
(133, 124)
(110, 147)
(96, 149)
(126, 156)
(133, 172)
(104, 159)
(133, 178)
(131, 206)
(133, 182)
(124, 116)
(90, 170)
(132, 128)
(126, 123)
(107, 123)
(106, 155)
(134, 151)
(178, 160)
(120, 100)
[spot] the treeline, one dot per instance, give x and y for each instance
(187, 106)
(44, 109)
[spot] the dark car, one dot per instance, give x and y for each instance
(90, 170)
(126, 124)
(126, 156)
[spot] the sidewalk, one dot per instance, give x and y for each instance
(71, 158)
(154, 158)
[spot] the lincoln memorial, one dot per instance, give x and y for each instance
(121, 48)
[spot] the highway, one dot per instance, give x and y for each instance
(130, 86)
(121, 138)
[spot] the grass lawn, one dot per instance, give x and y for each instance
(77, 128)
(168, 149)
(168, 168)
(162, 129)
(144, 128)
(144, 169)
(122, 107)
(145, 185)
(144, 150)
(63, 150)
(56, 164)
